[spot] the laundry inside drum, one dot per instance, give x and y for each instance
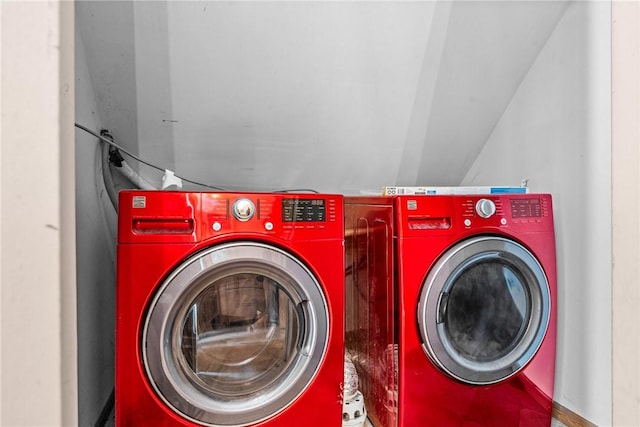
(240, 335)
(487, 311)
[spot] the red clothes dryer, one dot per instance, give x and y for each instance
(371, 303)
(477, 318)
(229, 309)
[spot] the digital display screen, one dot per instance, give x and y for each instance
(526, 208)
(303, 210)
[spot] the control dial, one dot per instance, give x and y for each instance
(243, 209)
(485, 208)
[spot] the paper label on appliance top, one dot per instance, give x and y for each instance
(427, 191)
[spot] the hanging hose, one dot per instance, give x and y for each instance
(106, 171)
(135, 177)
(106, 410)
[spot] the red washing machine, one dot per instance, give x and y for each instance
(229, 309)
(477, 317)
(371, 303)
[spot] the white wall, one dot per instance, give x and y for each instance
(488, 48)
(334, 96)
(626, 212)
(556, 132)
(37, 236)
(96, 225)
(260, 95)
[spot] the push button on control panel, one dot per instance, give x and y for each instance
(485, 208)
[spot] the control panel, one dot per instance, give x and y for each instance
(182, 217)
(528, 208)
(442, 214)
(268, 212)
(504, 211)
(303, 210)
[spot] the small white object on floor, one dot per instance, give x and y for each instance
(354, 413)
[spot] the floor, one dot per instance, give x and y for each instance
(554, 423)
(111, 422)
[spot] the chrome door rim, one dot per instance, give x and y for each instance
(440, 279)
(170, 304)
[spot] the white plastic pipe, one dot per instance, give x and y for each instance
(135, 177)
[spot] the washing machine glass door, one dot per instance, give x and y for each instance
(235, 334)
(484, 309)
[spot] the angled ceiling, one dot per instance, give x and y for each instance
(334, 96)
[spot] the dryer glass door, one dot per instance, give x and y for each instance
(484, 310)
(235, 334)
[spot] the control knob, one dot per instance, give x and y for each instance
(243, 209)
(485, 208)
